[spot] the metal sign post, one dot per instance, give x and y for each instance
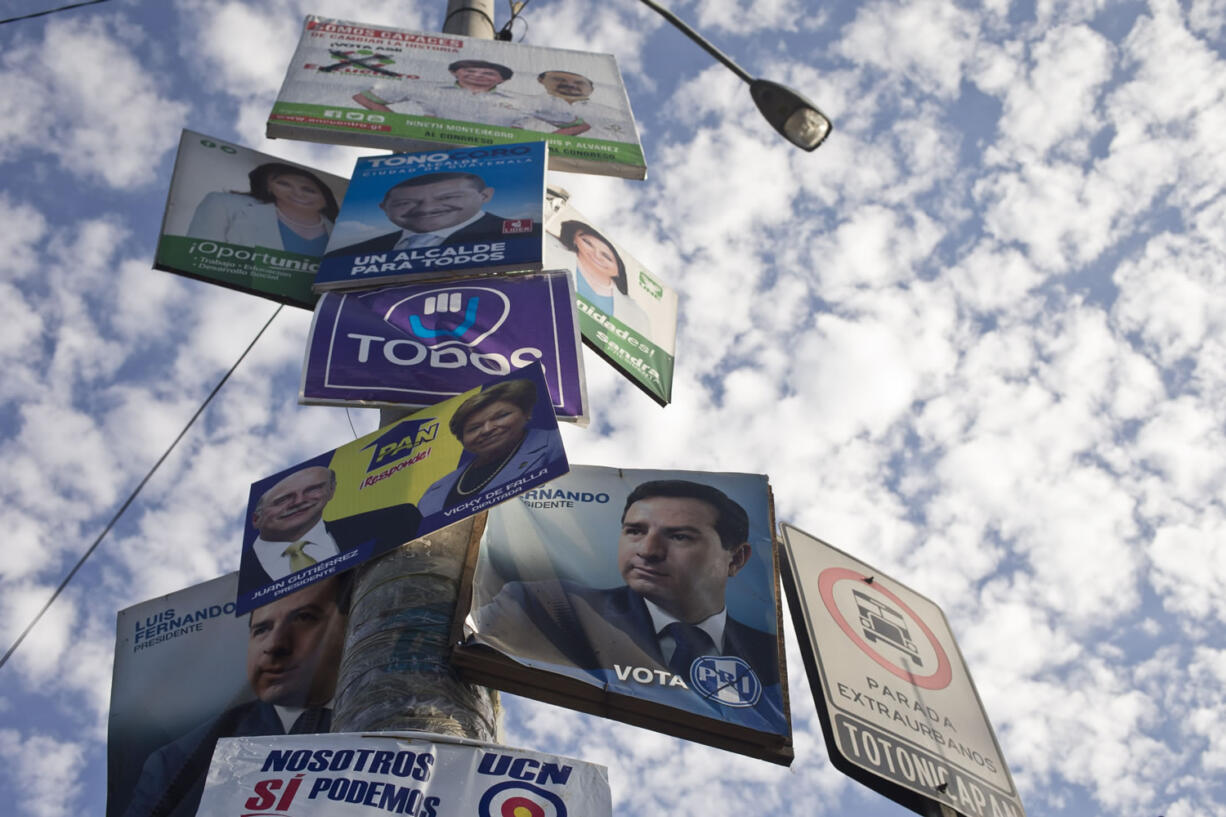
(898, 707)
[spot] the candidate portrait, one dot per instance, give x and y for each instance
(472, 95)
(292, 534)
(433, 210)
(679, 545)
(294, 648)
(499, 445)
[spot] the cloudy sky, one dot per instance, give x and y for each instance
(975, 339)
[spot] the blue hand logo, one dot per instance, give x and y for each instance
(445, 303)
(444, 316)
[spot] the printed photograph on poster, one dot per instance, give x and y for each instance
(626, 315)
(653, 589)
(246, 220)
(188, 672)
(405, 480)
(411, 773)
(374, 86)
(416, 344)
(451, 213)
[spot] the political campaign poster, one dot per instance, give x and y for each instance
(420, 343)
(246, 220)
(188, 672)
(437, 466)
(626, 314)
(645, 596)
(412, 773)
(898, 708)
(452, 213)
(374, 86)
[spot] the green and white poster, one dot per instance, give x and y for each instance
(246, 220)
(627, 315)
(373, 86)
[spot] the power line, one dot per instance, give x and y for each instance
(50, 11)
(132, 496)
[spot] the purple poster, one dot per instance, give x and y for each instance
(417, 344)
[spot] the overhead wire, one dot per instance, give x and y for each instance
(34, 14)
(505, 34)
(132, 496)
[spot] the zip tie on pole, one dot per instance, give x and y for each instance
(132, 496)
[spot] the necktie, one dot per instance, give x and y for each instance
(692, 642)
(297, 559)
(414, 240)
(313, 720)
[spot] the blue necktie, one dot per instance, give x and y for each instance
(692, 642)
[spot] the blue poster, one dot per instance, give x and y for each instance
(439, 214)
(408, 479)
(648, 586)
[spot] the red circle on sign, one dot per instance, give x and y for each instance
(825, 585)
(521, 807)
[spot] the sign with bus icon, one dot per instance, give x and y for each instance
(898, 708)
(880, 622)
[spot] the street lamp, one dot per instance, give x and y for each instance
(796, 118)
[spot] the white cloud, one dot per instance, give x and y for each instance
(1207, 671)
(744, 18)
(604, 28)
(1058, 101)
(24, 228)
(243, 50)
(1190, 569)
(926, 43)
(109, 125)
(1207, 18)
(43, 771)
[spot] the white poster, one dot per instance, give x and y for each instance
(354, 775)
(373, 86)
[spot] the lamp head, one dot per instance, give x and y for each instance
(796, 118)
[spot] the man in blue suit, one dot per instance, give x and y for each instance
(435, 210)
(293, 657)
(293, 534)
(680, 543)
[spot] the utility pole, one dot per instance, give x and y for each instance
(395, 674)
(473, 18)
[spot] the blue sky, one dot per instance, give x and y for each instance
(976, 340)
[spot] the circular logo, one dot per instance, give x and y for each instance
(726, 679)
(514, 799)
(887, 621)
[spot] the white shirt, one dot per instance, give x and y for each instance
(436, 237)
(712, 626)
(320, 545)
(446, 100)
(289, 714)
(552, 113)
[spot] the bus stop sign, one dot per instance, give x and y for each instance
(898, 707)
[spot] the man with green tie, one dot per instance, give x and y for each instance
(293, 535)
(289, 517)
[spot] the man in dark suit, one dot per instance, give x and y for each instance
(293, 534)
(293, 657)
(435, 210)
(680, 543)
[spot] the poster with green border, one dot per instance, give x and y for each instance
(626, 314)
(373, 86)
(245, 220)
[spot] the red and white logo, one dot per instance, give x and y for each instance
(514, 226)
